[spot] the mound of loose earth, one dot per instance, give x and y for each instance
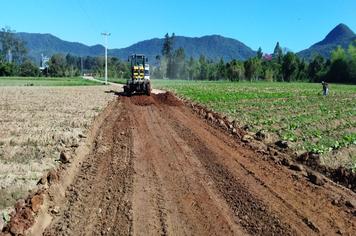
(160, 98)
(168, 98)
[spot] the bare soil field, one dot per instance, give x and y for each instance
(36, 125)
(154, 167)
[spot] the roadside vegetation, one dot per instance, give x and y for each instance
(294, 112)
(15, 62)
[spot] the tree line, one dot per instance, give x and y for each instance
(14, 61)
(69, 66)
(279, 66)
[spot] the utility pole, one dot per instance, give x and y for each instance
(106, 55)
(81, 66)
(9, 56)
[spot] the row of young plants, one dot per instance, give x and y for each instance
(296, 112)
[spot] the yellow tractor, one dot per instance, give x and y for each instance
(140, 76)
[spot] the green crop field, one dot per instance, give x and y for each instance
(45, 81)
(295, 112)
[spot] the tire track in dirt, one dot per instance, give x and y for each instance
(98, 202)
(250, 212)
(157, 169)
(116, 205)
(188, 205)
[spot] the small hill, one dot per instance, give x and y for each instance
(341, 35)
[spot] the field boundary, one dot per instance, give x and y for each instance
(278, 151)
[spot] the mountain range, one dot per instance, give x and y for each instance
(213, 47)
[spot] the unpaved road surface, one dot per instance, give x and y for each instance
(155, 168)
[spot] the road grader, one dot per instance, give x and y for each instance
(139, 82)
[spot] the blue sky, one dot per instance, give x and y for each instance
(296, 24)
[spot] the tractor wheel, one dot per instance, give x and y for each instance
(148, 89)
(127, 91)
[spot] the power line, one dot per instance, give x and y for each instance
(89, 18)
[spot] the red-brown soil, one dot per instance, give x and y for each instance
(155, 168)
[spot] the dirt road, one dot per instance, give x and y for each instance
(155, 168)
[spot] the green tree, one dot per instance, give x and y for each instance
(157, 73)
(269, 75)
(99, 66)
(221, 70)
(338, 54)
(278, 53)
(235, 70)
(338, 72)
(167, 53)
(249, 69)
(203, 68)
(289, 67)
(302, 70)
(352, 71)
(178, 65)
(72, 65)
(57, 65)
(259, 53)
(192, 69)
(7, 69)
(252, 68)
(352, 50)
(10, 45)
(316, 69)
(28, 68)
(167, 49)
(212, 71)
(352, 62)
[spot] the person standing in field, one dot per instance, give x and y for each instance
(325, 88)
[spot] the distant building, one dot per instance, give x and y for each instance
(267, 57)
(44, 62)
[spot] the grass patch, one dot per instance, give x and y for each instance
(9, 197)
(296, 112)
(45, 81)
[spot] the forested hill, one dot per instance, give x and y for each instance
(48, 45)
(341, 35)
(213, 47)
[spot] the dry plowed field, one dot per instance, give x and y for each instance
(156, 168)
(36, 125)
